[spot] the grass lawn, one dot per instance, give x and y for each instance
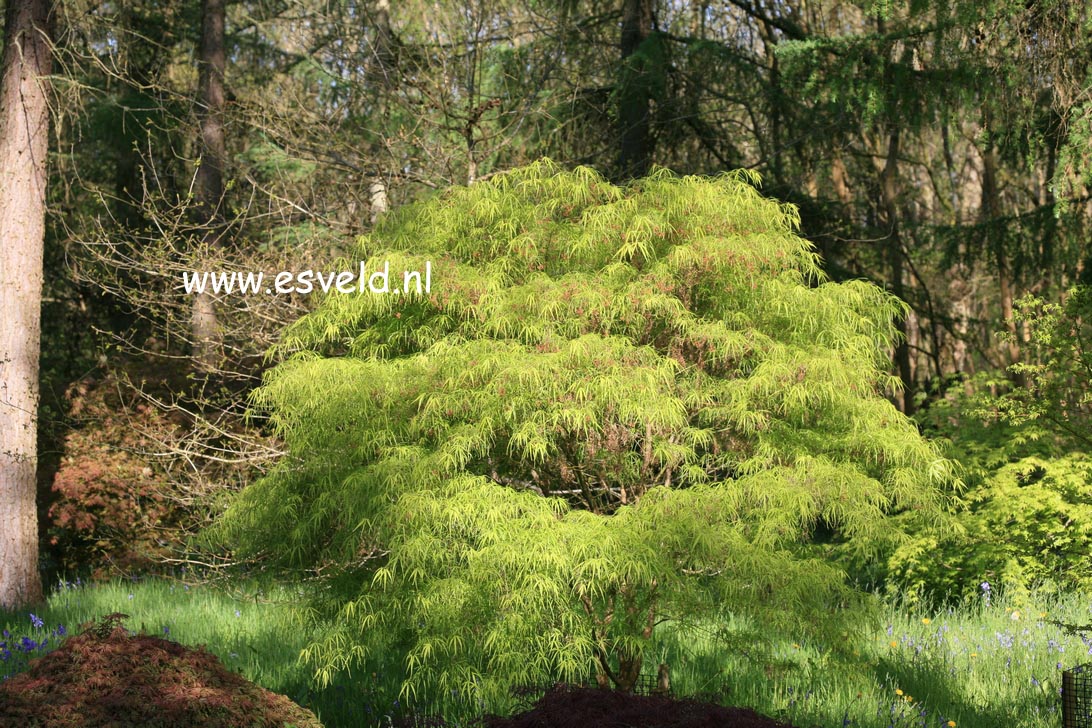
(982, 665)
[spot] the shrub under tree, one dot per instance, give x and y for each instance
(1023, 447)
(617, 406)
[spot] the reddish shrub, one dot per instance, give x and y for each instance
(111, 507)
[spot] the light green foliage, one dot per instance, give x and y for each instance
(1056, 367)
(1028, 514)
(617, 406)
(1028, 521)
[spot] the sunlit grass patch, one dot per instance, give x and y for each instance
(983, 664)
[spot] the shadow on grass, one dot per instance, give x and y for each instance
(936, 679)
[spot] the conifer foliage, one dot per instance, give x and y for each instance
(616, 406)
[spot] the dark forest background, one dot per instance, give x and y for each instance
(938, 149)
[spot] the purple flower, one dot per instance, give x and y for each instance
(166, 630)
(60, 631)
(38, 623)
(27, 644)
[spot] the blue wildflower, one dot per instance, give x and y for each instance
(36, 621)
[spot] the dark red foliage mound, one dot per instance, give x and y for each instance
(569, 707)
(106, 678)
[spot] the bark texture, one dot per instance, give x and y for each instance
(209, 187)
(24, 144)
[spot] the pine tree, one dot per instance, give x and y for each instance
(616, 406)
(24, 140)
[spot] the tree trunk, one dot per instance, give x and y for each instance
(773, 94)
(24, 144)
(383, 70)
(378, 198)
(384, 45)
(889, 191)
(991, 213)
(209, 185)
(629, 670)
(634, 102)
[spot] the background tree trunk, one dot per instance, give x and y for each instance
(889, 193)
(991, 213)
(382, 64)
(633, 107)
(24, 143)
(209, 187)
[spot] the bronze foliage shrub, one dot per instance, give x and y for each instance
(111, 507)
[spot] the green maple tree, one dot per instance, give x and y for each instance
(617, 406)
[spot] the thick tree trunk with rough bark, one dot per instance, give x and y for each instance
(209, 185)
(24, 144)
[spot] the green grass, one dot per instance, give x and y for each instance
(256, 633)
(977, 665)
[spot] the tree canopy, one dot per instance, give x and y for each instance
(616, 406)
